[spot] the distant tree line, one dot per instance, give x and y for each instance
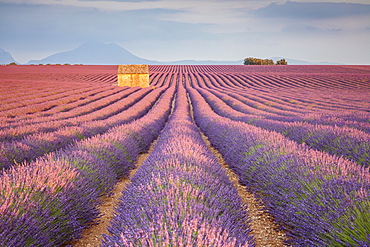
(258, 61)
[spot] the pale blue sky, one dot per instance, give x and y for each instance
(168, 30)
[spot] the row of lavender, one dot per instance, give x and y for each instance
(63, 128)
(69, 115)
(63, 110)
(29, 85)
(36, 103)
(230, 69)
(351, 116)
(180, 196)
(49, 201)
(35, 145)
(343, 108)
(318, 199)
(293, 102)
(38, 99)
(289, 100)
(344, 141)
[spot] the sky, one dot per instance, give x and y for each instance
(170, 30)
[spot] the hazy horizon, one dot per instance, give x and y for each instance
(164, 30)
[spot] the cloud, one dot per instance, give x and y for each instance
(226, 16)
(317, 10)
(54, 28)
(62, 23)
(122, 5)
(302, 29)
(299, 28)
(187, 29)
(192, 11)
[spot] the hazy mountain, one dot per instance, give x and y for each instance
(113, 54)
(94, 53)
(5, 57)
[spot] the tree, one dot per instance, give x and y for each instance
(268, 62)
(281, 62)
(249, 61)
(257, 61)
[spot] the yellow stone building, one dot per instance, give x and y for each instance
(133, 75)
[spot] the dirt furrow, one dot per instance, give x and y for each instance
(93, 236)
(264, 229)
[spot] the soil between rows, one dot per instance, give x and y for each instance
(93, 236)
(264, 229)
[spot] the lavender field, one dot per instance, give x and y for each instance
(297, 138)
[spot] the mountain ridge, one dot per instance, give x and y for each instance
(6, 57)
(93, 52)
(96, 53)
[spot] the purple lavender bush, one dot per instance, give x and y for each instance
(36, 145)
(318, 199)
(50, 201)
(342, 141)
(180, 196)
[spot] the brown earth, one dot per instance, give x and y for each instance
(92, 236)
(264, 229)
